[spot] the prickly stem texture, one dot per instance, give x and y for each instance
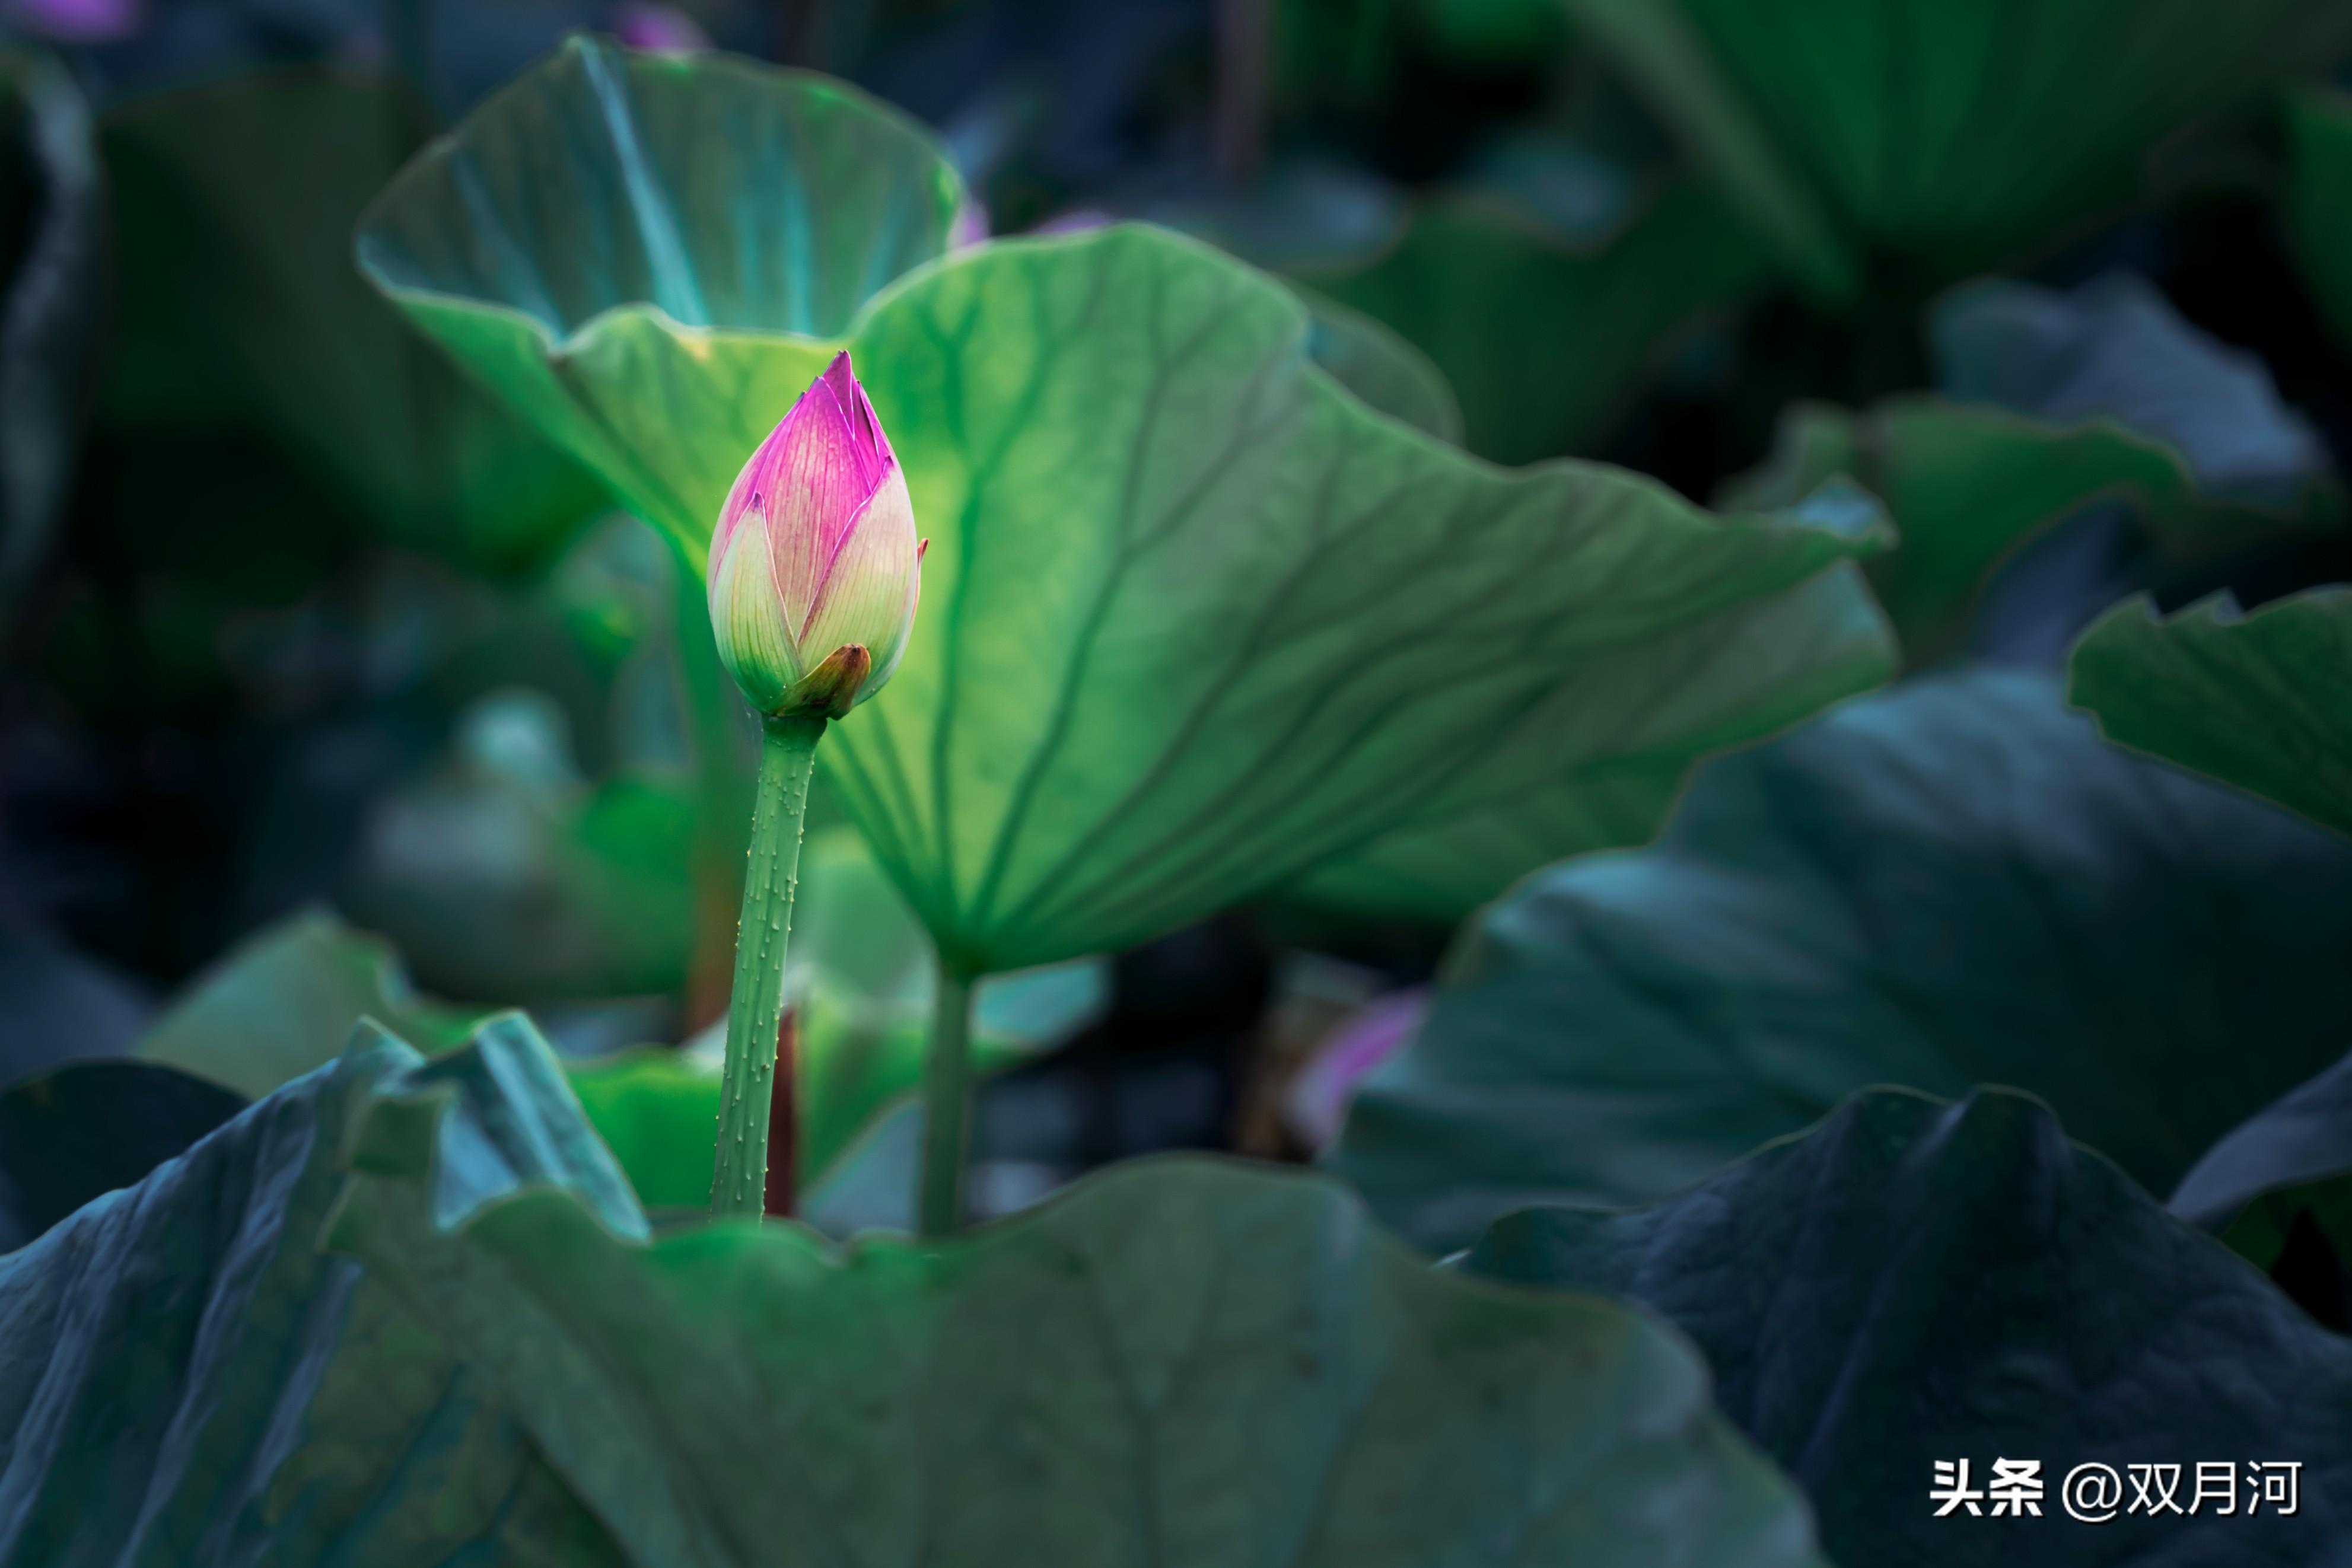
(755, 1011)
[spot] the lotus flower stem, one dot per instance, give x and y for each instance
(787, 754)
(814, 575)
(947, 1106)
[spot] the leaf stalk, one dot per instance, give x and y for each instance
(947, 1106)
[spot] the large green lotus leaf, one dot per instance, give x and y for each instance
(1914, 1281)
(1185, 1361)
(284, 1000)
(2318, 200)
(1754, 669)
(1439, 875)
(1196, 622)
(1968, 485)
(2263, 701)
(713, 191)
(49, 223)
(1194, 618)
(189, 1380)
(241, 315)
(1951, 133)
(1948, 884)
(1544, 330)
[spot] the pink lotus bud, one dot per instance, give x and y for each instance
(815, 568)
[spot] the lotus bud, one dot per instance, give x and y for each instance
(814, 566)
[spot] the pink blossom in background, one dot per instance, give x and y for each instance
(78, 21)
(1316, 1104)
(971, 224)
(645, 26)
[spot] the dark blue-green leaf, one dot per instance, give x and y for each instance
(186, 1379)
(1914, 1281)
(1950, 884)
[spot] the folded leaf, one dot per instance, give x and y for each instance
(710, 189)
(189, 1380)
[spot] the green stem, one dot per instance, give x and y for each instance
(947, 1106)
(756, 1010)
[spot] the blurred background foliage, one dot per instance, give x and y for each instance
(300, 619)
